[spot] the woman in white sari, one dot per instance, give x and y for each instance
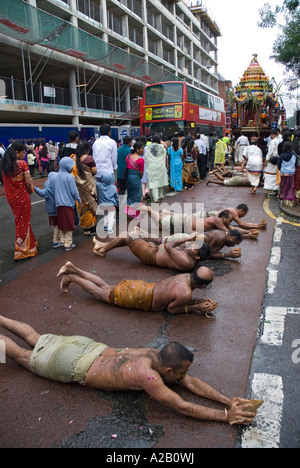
(157, 177)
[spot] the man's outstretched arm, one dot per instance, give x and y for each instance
(156, 388)
(237, 412)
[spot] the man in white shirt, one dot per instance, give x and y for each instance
(202, 157)
(105, 152)
(254, 163)
(270, 172)
(206, 142)
(241, 144)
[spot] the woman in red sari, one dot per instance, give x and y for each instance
(17, 185)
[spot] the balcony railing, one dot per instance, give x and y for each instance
(90, 9)
(54, 96)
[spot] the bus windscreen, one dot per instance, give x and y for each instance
(164, 93)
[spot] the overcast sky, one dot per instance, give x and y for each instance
(241, 38)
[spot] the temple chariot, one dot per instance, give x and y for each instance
(254, 106)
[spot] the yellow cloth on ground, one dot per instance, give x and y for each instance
(133, 294)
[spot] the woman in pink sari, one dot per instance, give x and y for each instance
(17, 186)
(135, 171)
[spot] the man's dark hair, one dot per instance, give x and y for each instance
(242, 207)
(174, 354)
(127, 140)
(105, 129)
(237, 234)
(73, 135)
(156, 138)
(224, 214)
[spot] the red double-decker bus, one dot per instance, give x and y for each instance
(171, 106)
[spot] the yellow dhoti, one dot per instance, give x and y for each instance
(133, 294)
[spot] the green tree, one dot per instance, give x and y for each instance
(286, 48)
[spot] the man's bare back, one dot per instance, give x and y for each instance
(122, 369)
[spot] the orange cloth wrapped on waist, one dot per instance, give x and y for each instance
(143, 250)
(133, 294)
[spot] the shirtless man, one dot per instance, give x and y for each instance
(82, 360)
(239, 212)
(190, 223)
(174, 294)
(225, 172)
(155, 254)
(216, 240)
(235, 181)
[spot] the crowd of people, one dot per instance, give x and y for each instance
(277, 168)
(86, 178)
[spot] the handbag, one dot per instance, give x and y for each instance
(124, 173)
(125, 169)
(274, 160)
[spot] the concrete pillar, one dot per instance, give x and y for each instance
(104, 19)
(73, 89)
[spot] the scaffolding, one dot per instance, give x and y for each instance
(33, 26)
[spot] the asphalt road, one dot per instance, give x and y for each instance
(228, 352)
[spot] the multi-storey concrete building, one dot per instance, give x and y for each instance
(82, 62)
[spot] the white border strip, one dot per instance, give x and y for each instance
(265, 431)
(274, 324)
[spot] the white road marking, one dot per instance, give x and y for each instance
(36, 202)
(272, 281)
(275, 255)
(277, 234)
(265, 431)
(274, 324)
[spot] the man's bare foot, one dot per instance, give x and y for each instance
(67, 269)
(144, 208)
(99, 251)
(166, 212)
(65, 283)
(99, 247)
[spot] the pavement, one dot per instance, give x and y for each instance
(40, 413)
(293, 211)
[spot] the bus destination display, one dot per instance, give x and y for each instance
(164, 112)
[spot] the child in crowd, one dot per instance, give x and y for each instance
(108, 199)
(48, 194)
(31, 161)
(66, 194)
(44, 160)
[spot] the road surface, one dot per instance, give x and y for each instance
(39, 413)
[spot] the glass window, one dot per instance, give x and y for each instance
(198, 97)
(204, 99)
(164, 128)
(190, 94)
(164, 93)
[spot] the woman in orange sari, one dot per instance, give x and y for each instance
(17, 186)
(84, 172)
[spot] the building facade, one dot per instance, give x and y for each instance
(83, 62)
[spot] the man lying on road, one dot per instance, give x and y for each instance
(79, 359)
